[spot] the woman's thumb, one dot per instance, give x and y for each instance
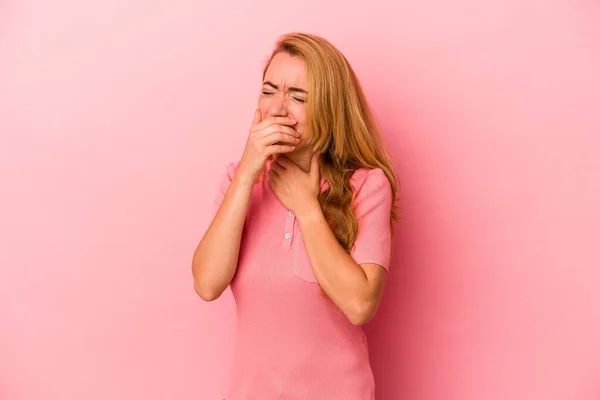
(257, 117)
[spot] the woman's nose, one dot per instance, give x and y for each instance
(278, 108)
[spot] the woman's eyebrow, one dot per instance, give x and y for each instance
(291, 88)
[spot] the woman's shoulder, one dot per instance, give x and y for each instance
(229, 168)
(370, 186)
(369, 176)
(232, 166)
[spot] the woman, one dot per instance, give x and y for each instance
(302, 231)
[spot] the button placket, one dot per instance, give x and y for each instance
(288, 230)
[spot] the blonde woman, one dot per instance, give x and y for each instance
(302, 231)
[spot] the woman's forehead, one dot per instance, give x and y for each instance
(286, 70)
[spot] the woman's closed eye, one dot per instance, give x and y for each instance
(298, 99)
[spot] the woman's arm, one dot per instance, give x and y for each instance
(355, 281)
(355, 289)
(216, 257)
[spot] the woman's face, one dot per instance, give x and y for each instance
(284, 93)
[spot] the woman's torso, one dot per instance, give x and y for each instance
(292, 341)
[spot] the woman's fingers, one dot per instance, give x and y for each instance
(273, 135)
(278, 149)
(276, 137)
(276, 128)
(273, 120)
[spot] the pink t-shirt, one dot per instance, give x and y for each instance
(292, 342)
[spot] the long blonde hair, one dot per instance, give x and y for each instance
(343, 129)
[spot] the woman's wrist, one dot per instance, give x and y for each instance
(311, 212)
(243, 182)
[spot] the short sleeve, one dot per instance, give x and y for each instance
(223, 184)
(372, 208)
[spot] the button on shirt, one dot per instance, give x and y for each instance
(292, 342)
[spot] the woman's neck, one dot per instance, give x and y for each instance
(301, 159)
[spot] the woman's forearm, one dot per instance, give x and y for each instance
(215, 259)
(340, 277)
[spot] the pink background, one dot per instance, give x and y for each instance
(118, 117)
